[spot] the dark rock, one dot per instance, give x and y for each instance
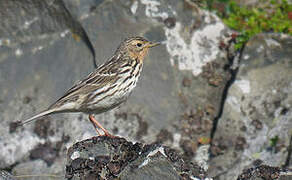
(170, 22)
(143, 126)
(26, 100)
(116, 158)
(65, 138)
(189, 147)
(240, 143)
(114, 168)
(42, 127)
(13, 126)
(263, 172)
(45, 152)
(257, 124)
(186, 82)
(163, 136)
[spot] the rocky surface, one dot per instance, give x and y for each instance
(257, 119)
(265, 172)
(175, 102)
(115, 158)
(178, 102)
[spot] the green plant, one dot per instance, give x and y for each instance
(271, 16)
(274, 141)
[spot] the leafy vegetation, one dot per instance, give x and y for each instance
(274, 141)
(267, 16)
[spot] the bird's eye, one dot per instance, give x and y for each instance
(139, 44)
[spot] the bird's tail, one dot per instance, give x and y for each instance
(47, 112)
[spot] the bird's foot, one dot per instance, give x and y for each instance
(97, 125)
(107, 134)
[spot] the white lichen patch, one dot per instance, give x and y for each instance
(17, 145)
(160, 149)
(194, 178)
(18, 52)
(75, 155)
(244, 85)
(272, 43)
(257, 143)
(134, 7)
(277, 112)
(27, 24)
(36, 49)
(79, 130)
(84, 16)
(64, 33)
(152, 9)
(284, 36)
(246, 57)
(202, 156)
(144, 163)
(203, 46)
(54, 138)
(233, 102)
(176, 140)
(260, 48)
(152, 153)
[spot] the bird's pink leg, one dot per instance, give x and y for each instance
(96, 123)
(94, 127)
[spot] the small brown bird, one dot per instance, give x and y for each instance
(107, 87)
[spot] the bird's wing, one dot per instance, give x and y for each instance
(82, 90)
(104, 76)
(104, 71)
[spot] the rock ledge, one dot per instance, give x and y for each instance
(109, 158)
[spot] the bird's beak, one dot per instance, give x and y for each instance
(152, 44)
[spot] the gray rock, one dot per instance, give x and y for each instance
(116, 158)
(176, 99)
(257, 119)
(35, 39)
(39, 170)
(43, 51)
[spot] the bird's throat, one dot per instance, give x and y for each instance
(139, 55)
(143, 54)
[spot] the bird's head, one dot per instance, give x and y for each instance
(136, 47)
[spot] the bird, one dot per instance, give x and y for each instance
(109, 85)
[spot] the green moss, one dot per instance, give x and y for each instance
(274, 141)
(272, 16)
